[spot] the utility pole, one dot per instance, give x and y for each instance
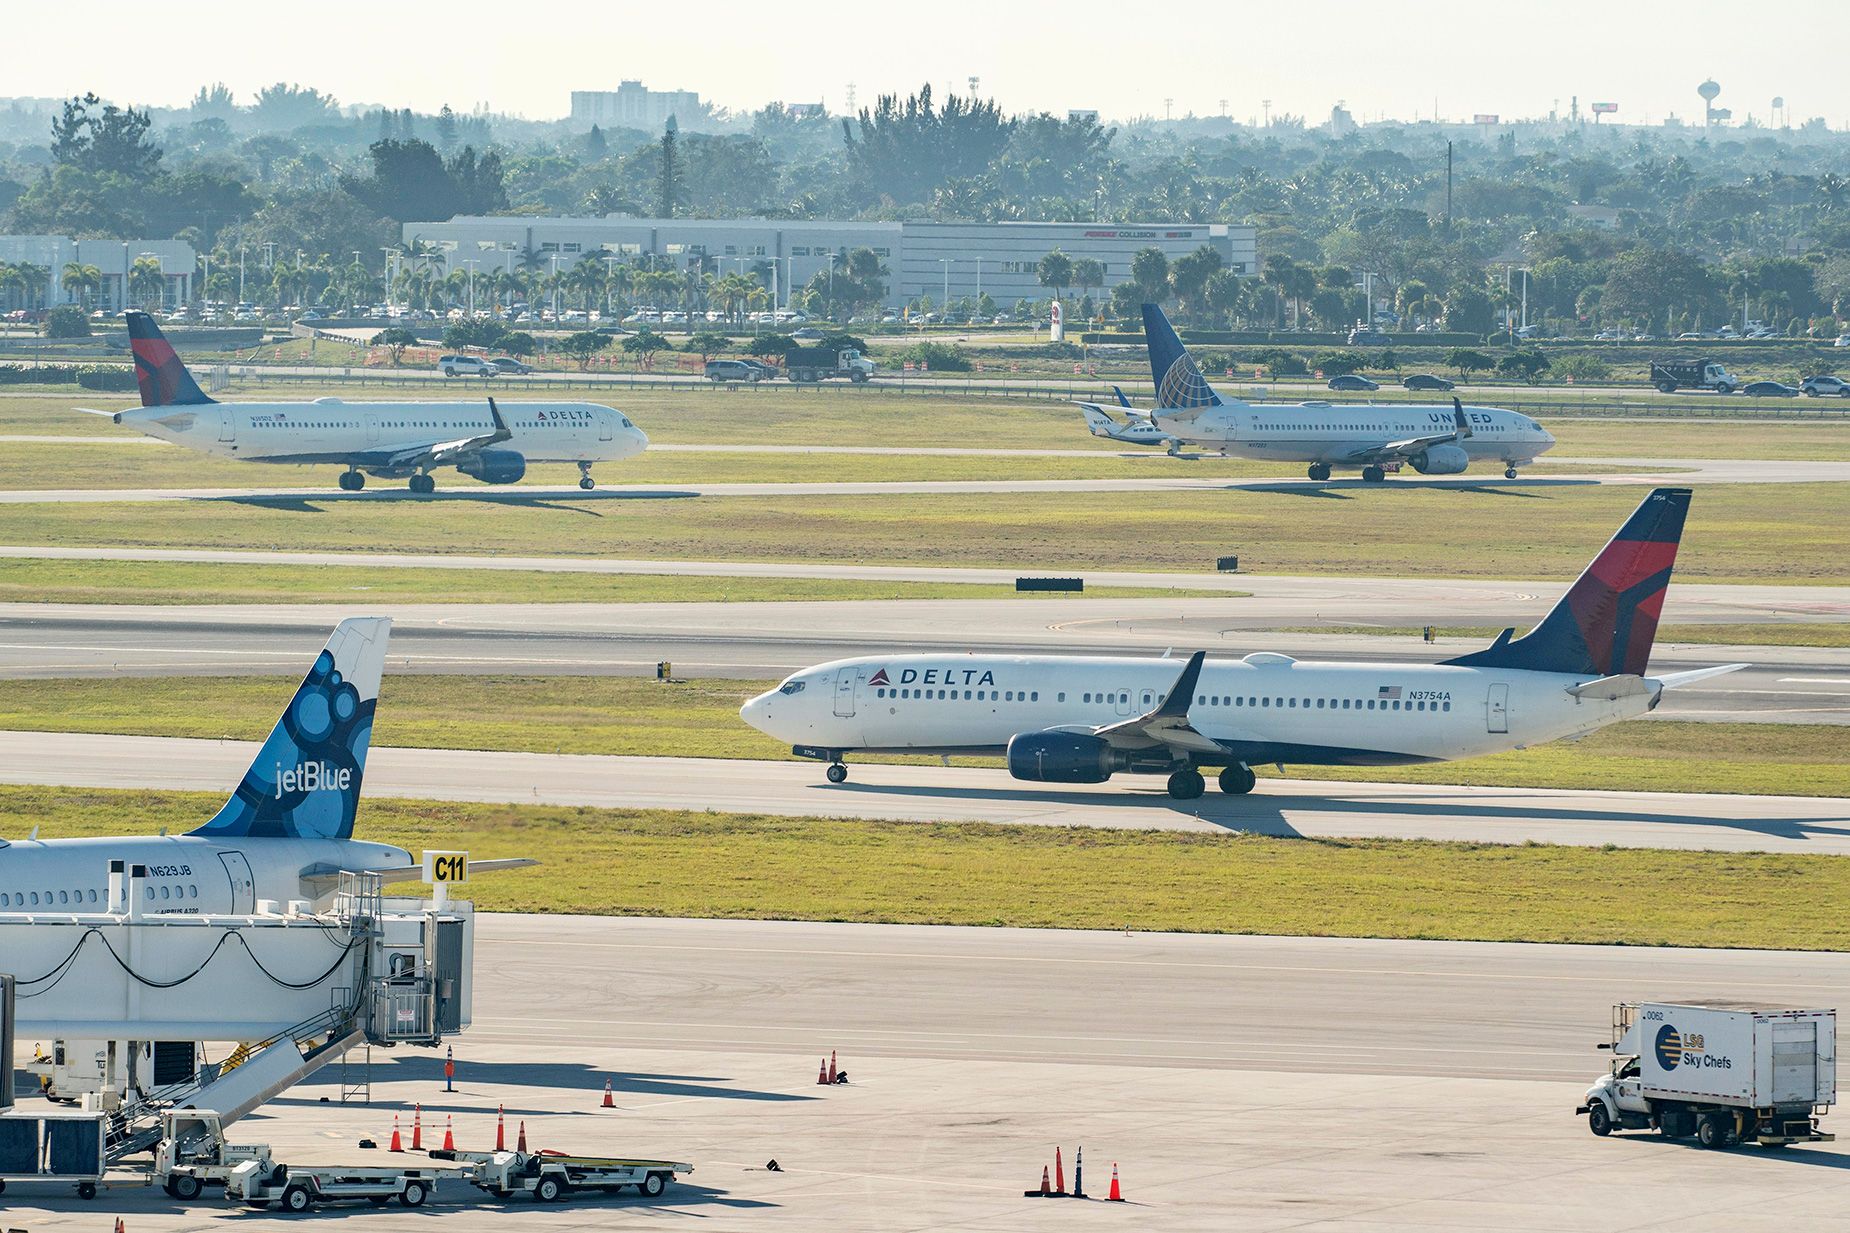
(1448, 184)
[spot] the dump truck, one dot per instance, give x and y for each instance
(810, 364)
(1725, 1072)
(1670, 376)
(550, 1177)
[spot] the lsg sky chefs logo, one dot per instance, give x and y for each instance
(1675, 1049)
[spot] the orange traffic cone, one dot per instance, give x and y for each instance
(822, 1073)
(449, 1133)
(397, 1143)
(608, 1102)
(417, 1128)
(119, 1226)
(1044, 1191)
(501, 1128)
(520, 1144)
(831, 1065)
(1116, 1196)
(1059, 1173)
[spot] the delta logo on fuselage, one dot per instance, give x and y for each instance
(580, 416)
(935, 676)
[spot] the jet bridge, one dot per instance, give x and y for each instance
(300, 988)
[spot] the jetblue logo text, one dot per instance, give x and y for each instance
(312, 777)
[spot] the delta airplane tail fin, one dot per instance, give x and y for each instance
(163, 379)
(1179, 384)
(1605, 624)
(305, 781)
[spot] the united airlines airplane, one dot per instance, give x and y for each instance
(391, 440)
(286, 833)
(1077, 719)
(1375, 437)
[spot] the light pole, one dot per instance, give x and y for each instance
(471, 263)
(610, 277)
(831, 286)
(946, 305)
(555, 287)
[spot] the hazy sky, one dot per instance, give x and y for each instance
(1393, 59)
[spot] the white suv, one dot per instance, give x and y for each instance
(466, 366)
(1821, 385)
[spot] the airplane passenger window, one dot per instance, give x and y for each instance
(1448, 706)
(64, 896)
(1265, 702)
(1088, 697)
(1034, 695)
(1062, 697)
(164, 893)
(93, 894)
(35, 899)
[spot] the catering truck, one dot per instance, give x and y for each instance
(1670, 376)
(1726, 1072)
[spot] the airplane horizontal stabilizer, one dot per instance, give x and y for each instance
(1671, 680)
(1612, 688)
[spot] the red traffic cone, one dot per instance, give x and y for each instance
(449, 1133)
(1059, 1173)
(417, 1128)
(520, 1144)
(501, 1128)
(822, 1073)
(1116, 1196)
(831, 1065)
(119, 1226)
(397, 1143)
(608, 1102)
(1044, 1191)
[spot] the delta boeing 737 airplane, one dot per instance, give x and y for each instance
(1079, 719)
(391, 440)
(1374, 437)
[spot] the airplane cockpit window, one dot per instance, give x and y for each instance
(791, 687)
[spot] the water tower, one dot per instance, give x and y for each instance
(1708, 90)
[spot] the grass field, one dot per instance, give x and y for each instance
(699, 718)
(782, 416)
(651, 863)
(1768, 633)
(1787, 533)
(181, 582)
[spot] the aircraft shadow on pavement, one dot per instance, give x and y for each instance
(1265, 814)
(1343, 487)
(310, 502)
(558, 1076)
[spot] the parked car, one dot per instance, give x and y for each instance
(1608, 336)
(465, 366)
(808, 334)
(1425, 381)
(1362, 336)
(734, 370)
(1354, 383)
(1821, 385)
(507, 365)
(1771, 389)
(1843, 340)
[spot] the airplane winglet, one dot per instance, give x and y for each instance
(1122, 400)
(502, 432)
(1180, 694)
(1459, 421)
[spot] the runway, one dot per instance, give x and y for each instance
(758, 640)
(935, 793)
(1313, 1085)
(1708, 471)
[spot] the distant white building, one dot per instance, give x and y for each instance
(634, 105)
(939, 260)
(112, 259)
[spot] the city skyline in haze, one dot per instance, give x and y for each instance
(1188, 58)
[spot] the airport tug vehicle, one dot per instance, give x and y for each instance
(1725, 1072)
(550, 1177)
(194, 1154)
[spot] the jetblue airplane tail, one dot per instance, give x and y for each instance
(1179, 384)
(163, 379)
(1605, 624)
(305, 781)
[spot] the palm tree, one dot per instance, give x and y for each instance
(32, 280)
(81, 280)
(147, 281)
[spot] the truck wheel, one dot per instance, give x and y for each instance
(86, 1190)
(652, 1186)
(1599, 1119)
(296, 1199)
(1665, 387)
(1711, 1133)
(858, 378)
(414, 1194)
(185, 1187)
(548, 1190)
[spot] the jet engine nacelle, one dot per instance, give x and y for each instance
(1061, 757)
(1440, 460)
(495, 466)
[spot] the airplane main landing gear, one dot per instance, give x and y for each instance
(1373, 475)
(584, 477)
(1237, 780)
(1187, 784)
(423, 485)
(1509, 473)
(1320, 471)
(352, 481)
(838, 773)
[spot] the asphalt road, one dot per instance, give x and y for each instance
(769, 639)
(935, 793)
(1690, 471)
(1253, 1083)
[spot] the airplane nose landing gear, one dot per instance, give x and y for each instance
(838, 773)
(584, 477)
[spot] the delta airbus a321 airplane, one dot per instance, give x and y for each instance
(1077, 719)
(391, 440)
(286, 833)
(1375, 437)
